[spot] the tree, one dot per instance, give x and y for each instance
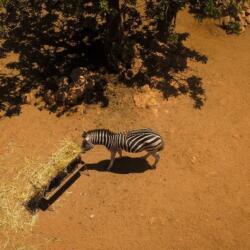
(53, 37)
(164, 13)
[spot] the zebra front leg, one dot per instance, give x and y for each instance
(113, 153)
(120, 153)
(157, 158)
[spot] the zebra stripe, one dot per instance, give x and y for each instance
(136, 144)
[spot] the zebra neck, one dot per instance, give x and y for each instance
(100, 138)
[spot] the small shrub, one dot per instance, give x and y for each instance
(218, 9)
(233, 28)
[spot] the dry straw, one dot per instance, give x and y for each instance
(30, 181)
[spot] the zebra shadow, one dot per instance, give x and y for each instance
(124, 165)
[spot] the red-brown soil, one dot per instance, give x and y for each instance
(197, 198)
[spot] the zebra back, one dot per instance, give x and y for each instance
(143, 139)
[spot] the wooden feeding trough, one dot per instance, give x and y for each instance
(61, 183)
(63, 169)
(57, 186)
(70, 176)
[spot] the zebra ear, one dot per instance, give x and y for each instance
(84, 134)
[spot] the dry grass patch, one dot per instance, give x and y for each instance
(31, 181)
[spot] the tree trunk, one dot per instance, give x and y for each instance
(166, 24)
(114, 36)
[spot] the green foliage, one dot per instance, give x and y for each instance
(164, 13)
(174, 38)
(217, 9)
(234, 7)
(3, 2)
(104, 6)
(233, 28)
(211, 10)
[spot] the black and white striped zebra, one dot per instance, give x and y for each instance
(133, 141)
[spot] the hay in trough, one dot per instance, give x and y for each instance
(59, 160)
(41, 181)
(32, 181)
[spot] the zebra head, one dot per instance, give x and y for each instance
(86, 143)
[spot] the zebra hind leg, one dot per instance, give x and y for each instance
(146, 156)
(157, 158)
(120, 153)
(111, 160)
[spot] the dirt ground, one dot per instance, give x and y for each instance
(197, 198)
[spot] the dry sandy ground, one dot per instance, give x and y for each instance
(197, 198)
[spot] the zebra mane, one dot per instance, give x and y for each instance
(99, 130)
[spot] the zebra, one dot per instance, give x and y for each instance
(133, 141)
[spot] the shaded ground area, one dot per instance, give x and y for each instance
(197, 198)
(66, 43)
(125, 165)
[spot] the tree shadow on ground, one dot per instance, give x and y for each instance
(10, 95)
(162, 64)
(124, 165)
(52, 40)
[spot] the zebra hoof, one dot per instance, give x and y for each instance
(153, 167)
